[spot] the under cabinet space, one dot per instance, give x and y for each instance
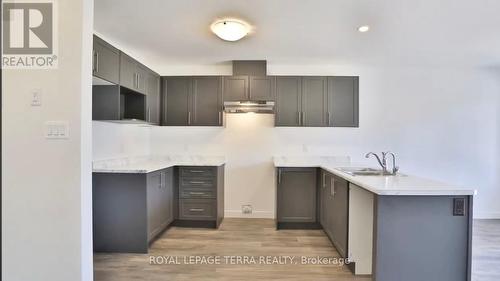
(132, 105)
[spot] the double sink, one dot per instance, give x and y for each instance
(366, 172)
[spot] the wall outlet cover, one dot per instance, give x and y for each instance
(246, 209)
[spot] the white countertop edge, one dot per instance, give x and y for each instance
(357, 180)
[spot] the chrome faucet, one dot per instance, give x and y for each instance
(382, 161)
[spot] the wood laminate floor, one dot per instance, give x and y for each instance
(258, 238)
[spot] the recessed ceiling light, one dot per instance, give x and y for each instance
(230, 29)
(364, 28)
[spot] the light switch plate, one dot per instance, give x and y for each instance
(36, 97)
(56, 130)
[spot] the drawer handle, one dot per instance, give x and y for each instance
(196, 171)
(196, 193)
(197, 182)
(196, 210)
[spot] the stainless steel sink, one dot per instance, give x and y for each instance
(364, 172)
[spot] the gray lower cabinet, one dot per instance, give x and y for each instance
(159, 201)
(105, 61)
(201, 196)
(343, 101)
(129, 210)
(324, 191)
(296, 198)
(192, 101)
(338, 209)
(153, 98)
(288, 101)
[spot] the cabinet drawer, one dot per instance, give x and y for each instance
(197, 172)
(196, 193)
(197, 209)
(197, 183)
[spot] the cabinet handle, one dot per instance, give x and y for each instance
(197, 182)
(195, 171)
(149, 114)
(96, 61)
(196, 210)
(303, 118)
(328, 118)
(189, 118)
(279, 176)
(332, 188)
(220, 117)
(196, 193)
(324, 180)
(298, 117)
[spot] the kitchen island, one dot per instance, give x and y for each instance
(394, 228)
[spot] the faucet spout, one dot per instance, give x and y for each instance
(381, 162)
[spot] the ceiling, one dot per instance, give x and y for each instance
(315, 32)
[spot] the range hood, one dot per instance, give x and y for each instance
(249, 106)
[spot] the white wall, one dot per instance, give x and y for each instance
(46, 184)
(441, 123)
(112, 140)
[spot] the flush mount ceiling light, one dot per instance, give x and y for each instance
(364, 28)
(230, 29)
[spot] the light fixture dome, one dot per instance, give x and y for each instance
(230, 29)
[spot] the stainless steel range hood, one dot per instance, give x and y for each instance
(249, 106)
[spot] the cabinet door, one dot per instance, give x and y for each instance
(176, 95)
(262, 88)
(343, 95)
(207, 101)
(167, 197)
(288, 101)
(324, 193)
(106, 61)
(314, 99)
(154, 190)
(235, 88)
(142, 78)
(339, 214)
(296, 195)
(153, 98)
(128, 73)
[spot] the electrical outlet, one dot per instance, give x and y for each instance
(36, 97)
(459, 207)
(246, 209)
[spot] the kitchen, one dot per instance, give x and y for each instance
(338, 141)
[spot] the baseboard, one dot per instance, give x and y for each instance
(253, 215)
(486, 215)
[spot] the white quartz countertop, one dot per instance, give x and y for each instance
(402, 184)
(148, 164)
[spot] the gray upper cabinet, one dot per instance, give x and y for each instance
(288, 101)
(206, 101)
(153, 98)
(343, 101)
(235, 88)
(132, 74)
(176, 99)
(192, 101)
(105, 61)
(314, 99)
(296, 200)
(262, 88)
(317, 101)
